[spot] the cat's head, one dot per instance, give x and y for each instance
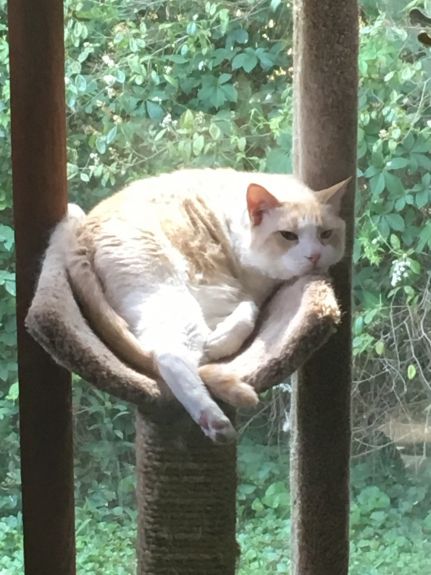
(295, 232)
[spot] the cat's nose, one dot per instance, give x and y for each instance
(314, 258)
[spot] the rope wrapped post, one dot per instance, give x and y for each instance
(186, 494)
(186, 485)
(325, 87)
(40, 200)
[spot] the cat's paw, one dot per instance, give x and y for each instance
(241, 395)
(230, 334)
(219, 345)
(217, 427)
(227, 386)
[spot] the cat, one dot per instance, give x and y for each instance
(171, 272)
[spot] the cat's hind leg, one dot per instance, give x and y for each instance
(171, 325)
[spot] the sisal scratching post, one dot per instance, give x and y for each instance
(325, 83)
(186, 484)
(186, 499)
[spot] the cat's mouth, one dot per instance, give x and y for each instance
(316, 267)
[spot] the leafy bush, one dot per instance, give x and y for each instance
(393, 233)
(170, 84)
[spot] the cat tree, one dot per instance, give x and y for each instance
(186, 485)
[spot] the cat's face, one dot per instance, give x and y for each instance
(298, 235)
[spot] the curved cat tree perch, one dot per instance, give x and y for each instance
(186, 485)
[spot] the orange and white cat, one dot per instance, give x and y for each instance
(171, 272)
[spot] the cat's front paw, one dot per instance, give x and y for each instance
(219, 345)
(241, 395)
(227, 386)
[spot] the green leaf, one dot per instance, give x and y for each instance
(411, 372)
(415, 266)
(7, 237)
(10, 287)
(266, 59)
(223, 78)
(154, 110)
(396, 222)
(423, 161)
(377, 184)
(400, 204)
(191, 28)
(110, 136)
(101, 144)
(6, 276)
(424, 237)
(245, 60)
(422, 198)
(395, 242)
(371, 171)
(80, 83)
(383, 226)
(230, 92)
(13, 392)
(198, 144)
(214, 131)
(257, 505)
(187, 120)
(397, 163)
(379, 347)
(394, 184)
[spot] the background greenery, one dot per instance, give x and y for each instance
(152, 86)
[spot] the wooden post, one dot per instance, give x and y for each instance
(325, 84)
(40, 199)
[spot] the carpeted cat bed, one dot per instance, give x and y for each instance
(186, 484)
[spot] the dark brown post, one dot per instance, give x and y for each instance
(40, 198)
(326, 45)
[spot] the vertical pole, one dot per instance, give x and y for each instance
(186, 493)
(326, 45)
(40, 199)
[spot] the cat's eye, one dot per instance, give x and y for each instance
(291, 236)
(325, 235)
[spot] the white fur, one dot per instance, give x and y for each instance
(184, 317)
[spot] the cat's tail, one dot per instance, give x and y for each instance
(112, 329)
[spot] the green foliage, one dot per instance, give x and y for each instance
(393, 233)
(9, 458)
(263, 508)
(389, 520)
(394, 164)
(105, 461)
(174, 84)
(390, 517)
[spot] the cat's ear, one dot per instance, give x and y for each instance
(334, 194)
(259, 201)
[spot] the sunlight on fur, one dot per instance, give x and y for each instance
(172, 271)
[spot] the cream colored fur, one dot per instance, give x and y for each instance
(171, 272)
